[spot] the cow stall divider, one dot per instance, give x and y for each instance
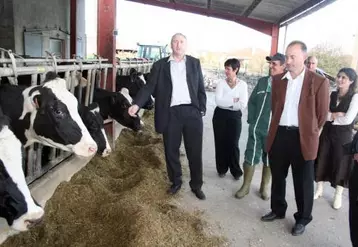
(39, 158)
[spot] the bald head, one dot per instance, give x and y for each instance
(312, 63)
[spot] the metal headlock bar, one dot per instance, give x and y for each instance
(40, 158)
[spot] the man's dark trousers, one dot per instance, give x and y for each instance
(186, 121)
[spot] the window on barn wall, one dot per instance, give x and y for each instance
(56, 46)
(33, 44)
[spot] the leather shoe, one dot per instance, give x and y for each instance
(271, 217)
(298, 229)
(199, 194)
(174, 189)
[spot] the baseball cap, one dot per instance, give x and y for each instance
(277, 57)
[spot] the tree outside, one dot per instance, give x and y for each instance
(331, 58)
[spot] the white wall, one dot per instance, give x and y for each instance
(40, 14)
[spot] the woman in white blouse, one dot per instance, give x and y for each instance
(333, 164)
(231, 98)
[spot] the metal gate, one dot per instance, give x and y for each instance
(39, 159)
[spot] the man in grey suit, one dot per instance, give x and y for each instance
(176, 83)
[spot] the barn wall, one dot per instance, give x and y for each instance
(40, 14)
(6, 25)
(81, 28)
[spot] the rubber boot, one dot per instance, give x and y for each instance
(248, 174)
(337, 202)
(265, 181)
(319, 190)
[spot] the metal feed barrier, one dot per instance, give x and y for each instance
(39, 158)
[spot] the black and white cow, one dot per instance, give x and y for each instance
(93, 121)
(134, 82)
(17, 205)
(115, 105)
(47, 114)
(111, 104)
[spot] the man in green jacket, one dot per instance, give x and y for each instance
(259, 117)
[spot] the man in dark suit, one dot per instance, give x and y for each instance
(176, 83)
(299, 110)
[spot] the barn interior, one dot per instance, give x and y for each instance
(37, 36)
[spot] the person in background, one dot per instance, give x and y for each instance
(332, 164)
(353, 192)
(177, 84)
(299, 106)
(231, 98)
(259, 115)
(312, 63)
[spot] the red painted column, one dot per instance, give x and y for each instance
(73, 30)
(106, 45)
(274, 39)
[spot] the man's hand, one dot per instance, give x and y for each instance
(355, 157)
(337, 114)
(132, 111)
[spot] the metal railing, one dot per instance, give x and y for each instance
(39, 158)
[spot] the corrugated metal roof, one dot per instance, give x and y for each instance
(269, 11)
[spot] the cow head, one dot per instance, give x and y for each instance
(16, 203)
(119, 105)
(55, 120)
(138, 80)
(93, 120)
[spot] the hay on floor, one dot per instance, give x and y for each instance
(120, 200)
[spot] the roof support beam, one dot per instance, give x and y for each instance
(73, 25)
(251, 8)
(106, 47)
(304, 10)
(258, 25)
(274, 39)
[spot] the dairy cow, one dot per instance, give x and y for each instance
(93, 121)
(47, 114)
(115, 105)
(111, 104)
(134, 82)
(17, 206)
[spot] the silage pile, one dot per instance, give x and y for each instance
(118, 201)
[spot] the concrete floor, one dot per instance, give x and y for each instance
(239, 220)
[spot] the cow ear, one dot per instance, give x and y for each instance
(37, 101)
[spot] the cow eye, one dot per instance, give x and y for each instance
(58, 112)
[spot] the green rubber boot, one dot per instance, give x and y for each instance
(248, 174)
(265, 181)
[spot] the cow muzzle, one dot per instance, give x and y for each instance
(33, 223)
(106, 152)
(85, 149)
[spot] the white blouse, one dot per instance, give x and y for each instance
(224, 95)
(350, 115)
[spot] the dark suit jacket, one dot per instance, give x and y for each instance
(160, 86)
(312, 110)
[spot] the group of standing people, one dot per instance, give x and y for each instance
(292, 117)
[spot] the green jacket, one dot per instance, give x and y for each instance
(259, 105)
